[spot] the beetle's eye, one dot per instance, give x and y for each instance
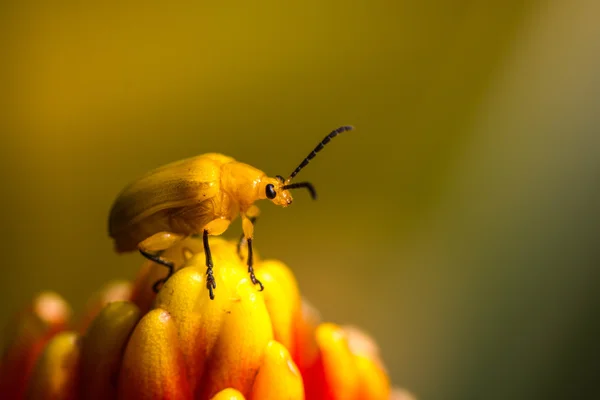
(270, 190)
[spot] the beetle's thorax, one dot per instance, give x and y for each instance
(242, 182)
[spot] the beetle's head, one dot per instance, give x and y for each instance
(273, 189)
(278, 189)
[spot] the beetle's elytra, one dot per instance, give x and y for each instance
(199, 195)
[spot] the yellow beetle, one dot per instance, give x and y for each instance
(199, 195)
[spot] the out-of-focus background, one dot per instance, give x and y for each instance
(458, 224)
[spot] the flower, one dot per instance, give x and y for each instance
(179, 344)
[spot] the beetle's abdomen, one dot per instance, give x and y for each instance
(128, 239)
(185, 221)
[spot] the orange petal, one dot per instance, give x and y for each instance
(228, 394)
(103, 347)
(305, 351)
(56, 372)
(113, 291)
(282, 299)
(239, 350)
(334, 376)
(278, 377)
(153, 366)
(47, 315)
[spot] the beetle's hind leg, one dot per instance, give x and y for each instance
(210, 279)
(159, 260)
(153, 246)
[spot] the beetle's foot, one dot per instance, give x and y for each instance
(159, 284)
(210, 284)
(256, 281)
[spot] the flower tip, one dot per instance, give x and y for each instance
(110, 293)
(228, 394)
(361, 344)
(56, 372)
(401, 394)
(51, 308)
(278, 376)
(103, 348)
(153, 343)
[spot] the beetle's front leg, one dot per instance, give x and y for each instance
(248, 228)
(252, 213)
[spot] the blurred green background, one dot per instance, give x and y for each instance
(458, 224)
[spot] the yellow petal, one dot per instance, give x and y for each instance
(181, 297)
(282, 299)
(200, 320)
(103, 347)
(114, 291)
(153, 366)
(56, 372)
(374, 383)
(197, 318)
(142, 294)
(239, 350)
(31, 330)
(228, 394)
(339, 374)
(278, 378)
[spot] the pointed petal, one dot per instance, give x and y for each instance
(153, 366)
(278, 378)
(401, 394)
(56, 372)
(113, 291)
(240, 346)
(334, 376)
(282, 299)
(228, 394)
(197, 318)
(374, 383)
(305, 351)
(103, 347)
(47, 315)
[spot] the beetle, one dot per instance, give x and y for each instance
(201, 195)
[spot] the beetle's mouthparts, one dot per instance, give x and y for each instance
(307, 185)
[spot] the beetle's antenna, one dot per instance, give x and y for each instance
(308, 185)
(317, 149)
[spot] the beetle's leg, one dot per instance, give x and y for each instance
(251, 268)
(243, 237)
(153, 246)
(248, 228)
(159, 260)
(210, 279)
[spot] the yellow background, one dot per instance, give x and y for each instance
(458, 224)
